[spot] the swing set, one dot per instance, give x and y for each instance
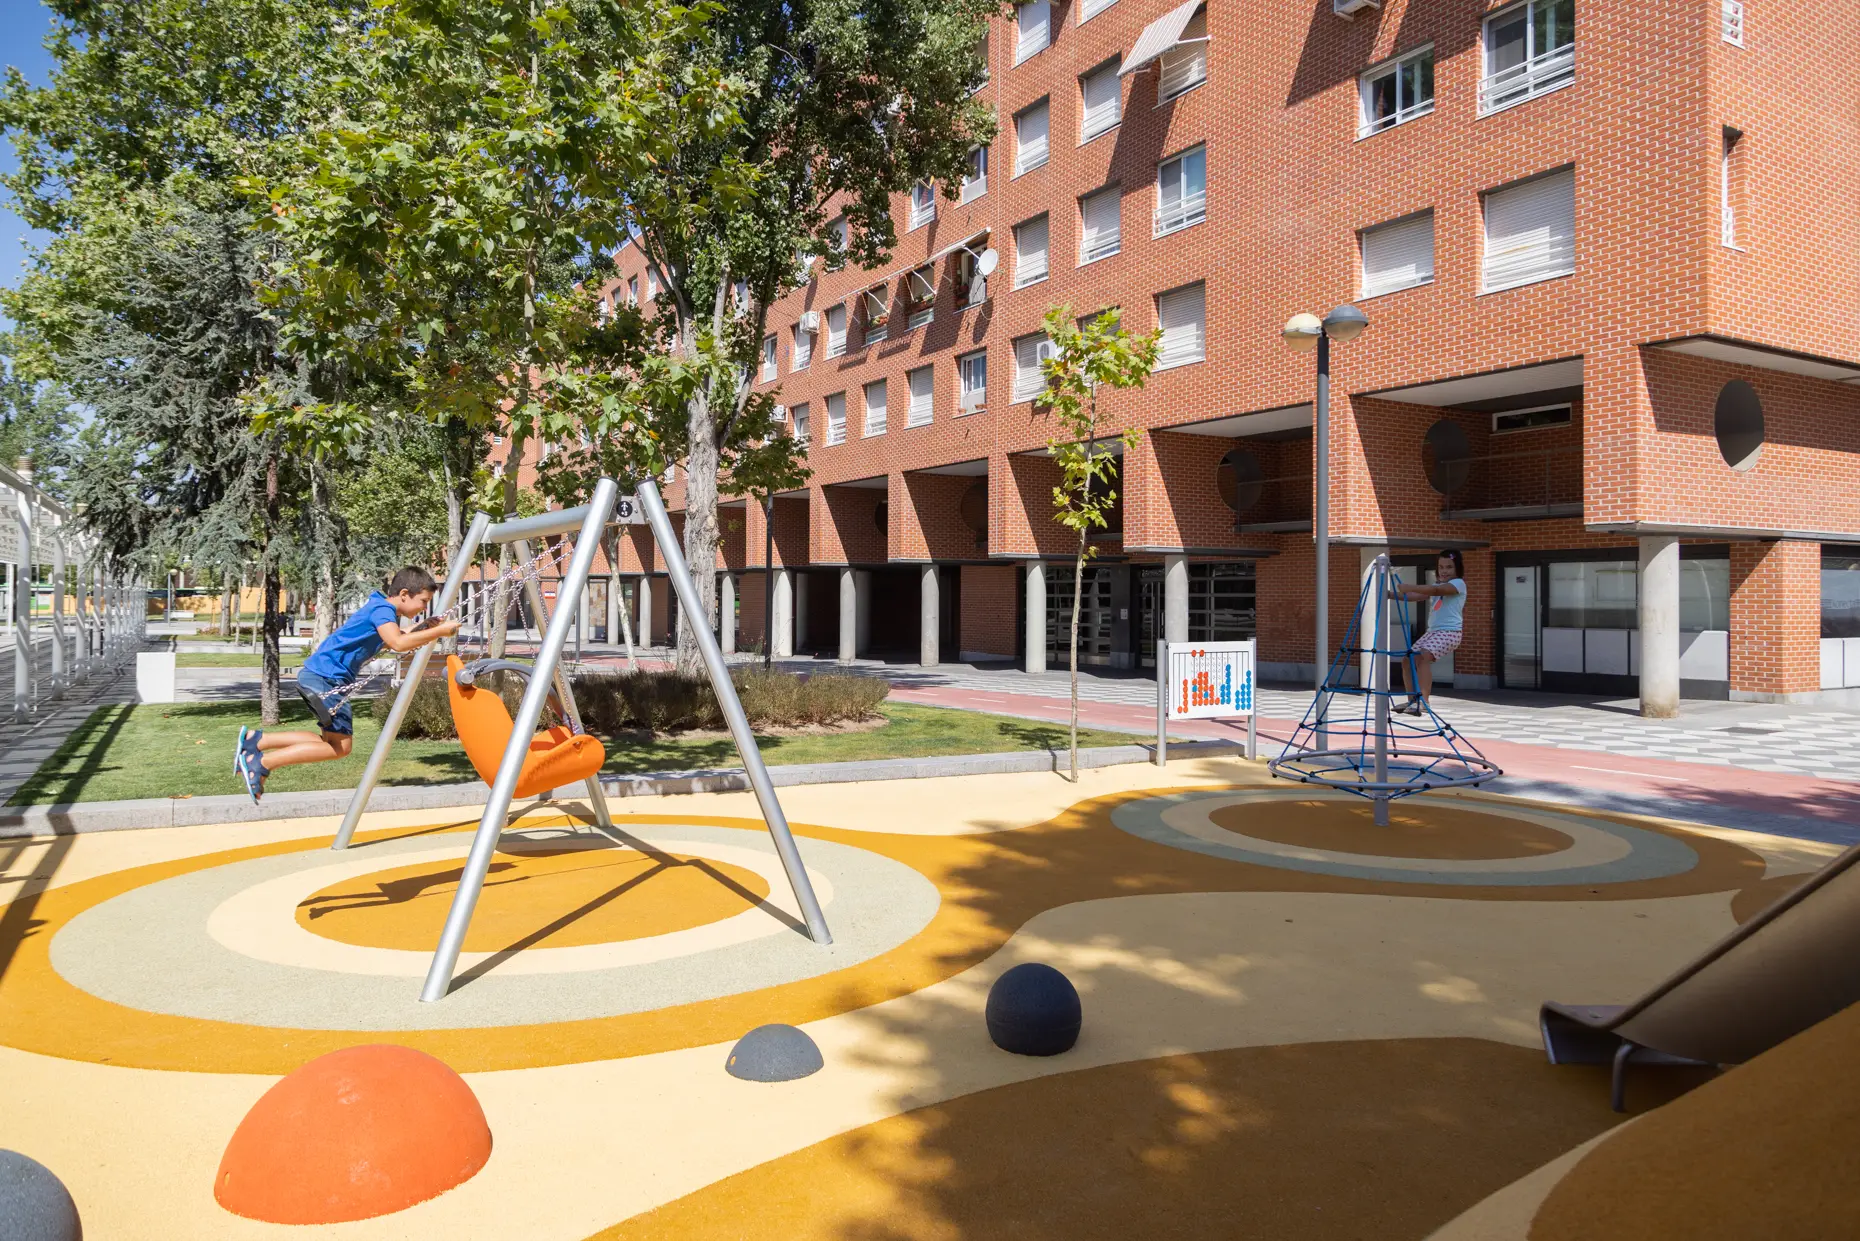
(519, 758)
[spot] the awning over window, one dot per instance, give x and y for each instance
(1159, 36)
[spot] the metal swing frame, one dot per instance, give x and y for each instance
(587, 522)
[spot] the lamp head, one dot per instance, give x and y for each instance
(1302, 332)
(1345, 323)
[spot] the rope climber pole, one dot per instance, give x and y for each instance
(377, 759)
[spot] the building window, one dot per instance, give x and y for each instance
(652, 285)
(839, 238)
(920, 296)
(1030, 252)
(1530, 231)
(1840, 595)
(1397, 92)
(836, 418)
(632, 291)
(798, 421)
(1530, 50)
(875, 304)
(1182, 315)
(875, 407)
(1732, 22)
(1731, 188)
(803, 352)
(971, 285)
(770, 367)
(1029, 352)
(923, 204)
(972, 382)
(836, 331)
(1091, 8)
(1031, 131)
(1100, 225)
(923, 399)
(1182, 191)
(1101, 100)
(981, 53)
(975, 175)
(1398, 255)
(1033, 28)
(1534, 419)
(1185, 66)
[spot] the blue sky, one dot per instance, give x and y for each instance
(23, 24)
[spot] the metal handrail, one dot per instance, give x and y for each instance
(1534, 77)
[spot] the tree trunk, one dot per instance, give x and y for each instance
(268, 680)
(226, 604)
(455, 526)
(1078, 587)
(700, 520)
(503, 591)
(325, 622)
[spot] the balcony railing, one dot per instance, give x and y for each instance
(1100, 246)
(1510, 486)
(1174, 216)
(1537, 76)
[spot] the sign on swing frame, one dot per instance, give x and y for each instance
(1206, 681)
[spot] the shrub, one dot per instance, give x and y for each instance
(663, 702)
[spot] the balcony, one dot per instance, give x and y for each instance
(1522, 82)
(1514, 485)
(1174, 216)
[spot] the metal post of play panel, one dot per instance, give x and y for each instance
(733, 712)
(416, 669)
(522, 733)
(1162, 702)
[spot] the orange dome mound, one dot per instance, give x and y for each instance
(358, 1133)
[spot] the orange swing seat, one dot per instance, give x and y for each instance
(557, 757)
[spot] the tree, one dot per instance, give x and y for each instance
(843, 105)
(1091, 355)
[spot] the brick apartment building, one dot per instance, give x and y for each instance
(1610, 255)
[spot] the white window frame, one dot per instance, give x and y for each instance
(836, 427)
(1366, 123)
(1094, 248)
(923, 204)
(971, 400)
(801, 350)
(1539, 74)
(872, 427)
(920, 291)
(1027, 45)
(652, 284)
(1021, 278)
(1190, 209)
(1731, 22)
(771, 358)
(1569, 417)
(632, 291)
(921, 411)
(975, 174)
(1023, 390)
(966, 274)
(797, 422)
(839, 232)
(868, 334)
(1087, 132)
(1362, 250)
(1185, 66)
(1485, 207)
(1201, 354)
(1728, 230)
(836, 336)
(1022, 163)
(1089, 9)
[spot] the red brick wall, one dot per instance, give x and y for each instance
(1775, 618)
(990, 599)
(749, 594)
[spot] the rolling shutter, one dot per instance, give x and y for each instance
(875, 407)
(1102, 94)
(922, 397)
(1398, 255)
(1182, 316)
(1031, 132)
(1100, 233)
(1530, 231)
(1030, 252)
(1034, 21)
(1028, 379)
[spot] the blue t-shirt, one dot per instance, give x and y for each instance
(1449, 610)
(339, 660)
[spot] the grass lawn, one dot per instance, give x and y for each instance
(232, 659)
(185, 749)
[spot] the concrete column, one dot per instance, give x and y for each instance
(1036, 618)
(862, 612)
(849, 615)
(1659, 626)
(1175, 598)
(644, 598)
(613, 609)
(726, 612)
(781, 642)
(929, 618)
(802, 602)
(60, 671)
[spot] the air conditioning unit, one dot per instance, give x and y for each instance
(810, 321)
(1348, 9)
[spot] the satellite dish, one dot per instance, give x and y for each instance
(986, 264)
(810, 320)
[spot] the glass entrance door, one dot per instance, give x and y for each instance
(1523, 633)
(1095, 617)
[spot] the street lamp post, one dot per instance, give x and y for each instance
(1345, 323)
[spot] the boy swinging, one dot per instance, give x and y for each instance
(327, 677)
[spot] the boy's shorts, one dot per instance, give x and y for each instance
(320, 695)
(1439, 642)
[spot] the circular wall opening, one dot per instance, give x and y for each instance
(1738, 424)
(1239, 480)
(1446, 455)
(973, 510)
(881, 515)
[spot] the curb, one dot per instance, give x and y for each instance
(154, 812)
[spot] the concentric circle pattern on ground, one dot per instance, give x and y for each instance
(1413, 849)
